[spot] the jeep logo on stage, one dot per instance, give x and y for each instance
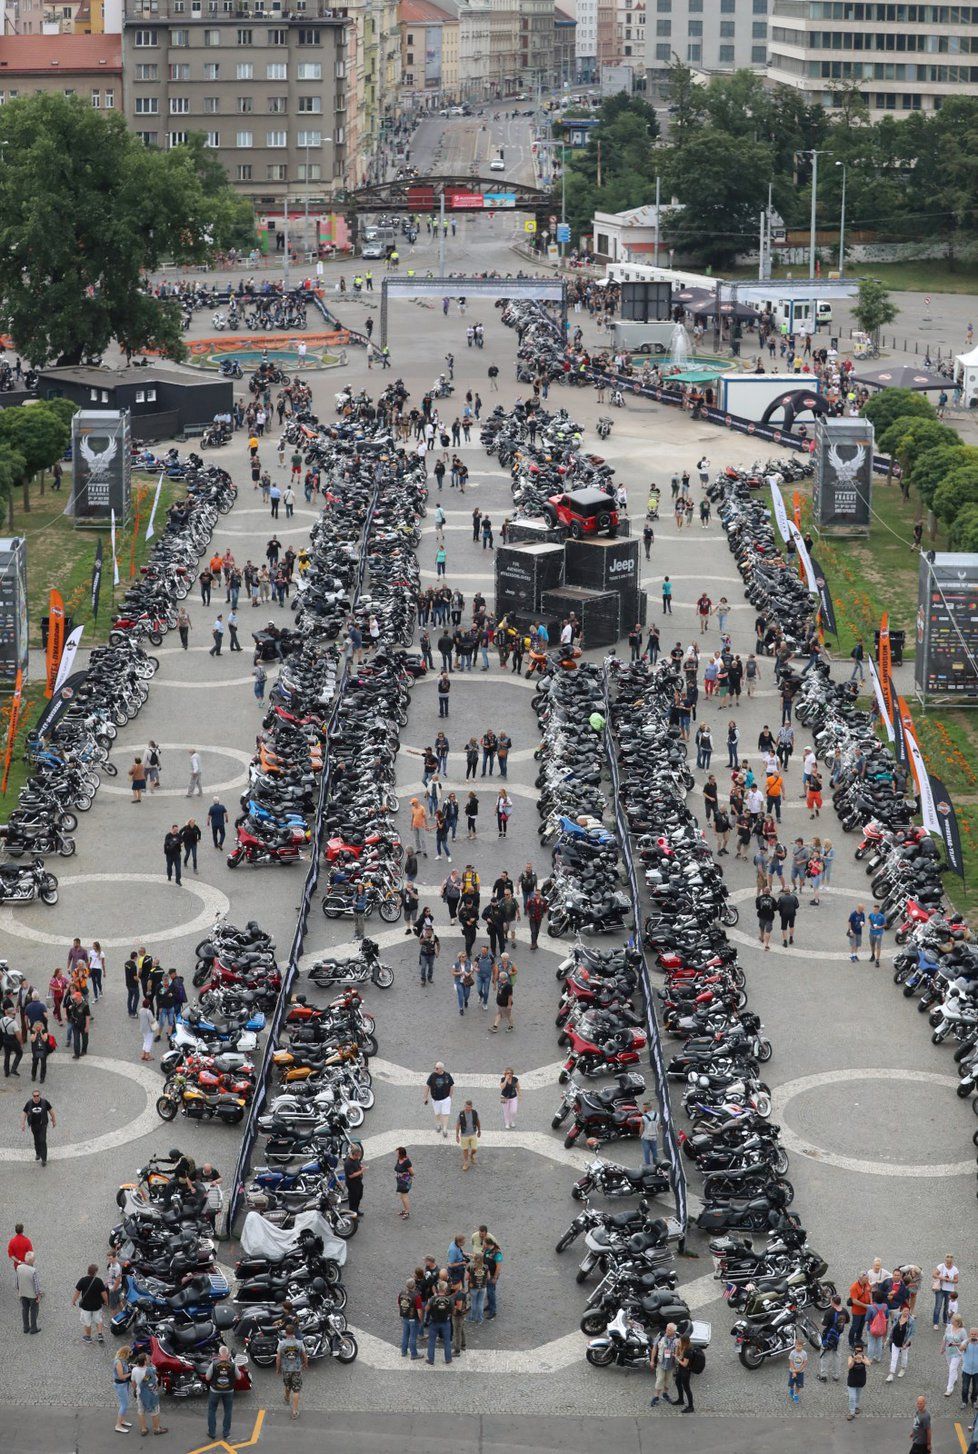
(621, 567)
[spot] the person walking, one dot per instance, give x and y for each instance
(536, 907)
(154, 761)
(290, 1361)
(945, 1280)
(662, 1363)
(969, 1370)
(509, 1095)
(468, 1132)
(920, 1430)
(955, 1342)
(683, 1370)
(79, 1018)
(29, 1291)
(403, 1181)
(797, 1363)
(194, 784)
(233, 630)
(172, 849)
(438, 1320)
(217, 817)
(190, 837)
(855, 1379)
(411, 1308)
(860, 1297)
(504, 997)
(122, 1387)
(649, 1134)
(13, 1044)
(834, 1321)
(787, 907)
(463, 978)
(137, 778)
(40, 1043)
(90, 1297)
(438, 1090)
(877, 925)
(353, 1170)
(220, 1375)
(765, 906)
(900, 1337)
(857, 919)
(217, 635)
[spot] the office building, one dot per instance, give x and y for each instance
(713, 37)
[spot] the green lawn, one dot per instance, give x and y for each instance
(933, 276)
(33, 704)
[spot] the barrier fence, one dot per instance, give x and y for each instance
(670, 1142)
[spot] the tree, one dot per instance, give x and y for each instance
(910, 435)
(40, 437)
(13, 467)
(722, 183)
(963, 534)
(888, 405)
(874, 308)
(956, 491)
(628, 163)
(685, 98)
(934, 465)
(85, 210)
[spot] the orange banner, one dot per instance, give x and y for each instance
(12, 728)
(884, 661)
(56, 639)
(796, 508)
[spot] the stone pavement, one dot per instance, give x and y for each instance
(881, 1154)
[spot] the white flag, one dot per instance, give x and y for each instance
(780, 513)
(928, 811)
(804, 557)
(880, 699)
(156, 501)
(115, 563)
(68, 658)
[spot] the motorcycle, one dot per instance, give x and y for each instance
(23, 884)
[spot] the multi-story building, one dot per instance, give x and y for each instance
(630, 33)
(902, 57)
(429, 53)
(473, 48)
(536, 44)
(375, 80)
(595, 41)
(565, 26)
(710, 36)
(89, 66)
(266, 88)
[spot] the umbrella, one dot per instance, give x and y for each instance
(903, 376)
(701, 300)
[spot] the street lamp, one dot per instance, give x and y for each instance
(842, 222)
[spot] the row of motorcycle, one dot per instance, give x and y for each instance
(69, 761)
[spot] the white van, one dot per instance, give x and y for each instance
(796, 313)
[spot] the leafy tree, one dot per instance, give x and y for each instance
(963, 534)
(13, 468)
(685, 98)
(934, 465)
(722, 182)
(40, 437)
(888, 405)
(955, 492)
(85, 210)
(874, 307)
(910, 435)
(233, 218)
(628, 163)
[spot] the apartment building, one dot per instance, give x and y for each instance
(89, 66)
(429, 53)
(595, 41)
(565, 26)
(711, 36)
(630, 33)
(536, 44)
(903, 57)
(266, 86)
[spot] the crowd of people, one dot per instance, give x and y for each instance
(443, 1303)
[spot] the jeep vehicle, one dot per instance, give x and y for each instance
(583, 512)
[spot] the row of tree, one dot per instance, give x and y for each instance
(86, 210)
(932, 458)
(732, 139)
(32, 439)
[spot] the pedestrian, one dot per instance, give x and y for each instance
(860, 1297)
(232, 623)
(765, 906)
(90, 1297)
(403, 1181)
(649, 1134)
(220, 1376)
(172, 847)
(40, 1043)
(444, 689)
(683, 1371)
(468, 1132)
(13, 1044)
(920, 1432)
(79, 1018)
(787, 907)
(855, 936)
(194, 784)
(797, 1363)
(704, 745)
(509, 1095)
(504, 810)
(834, 1321)
(901, 1336)
(463, 978)
(290, 1360)
(969, 1370)
(438, 1320)
(855, 1379)
(217, 816)
(261, 676)
(419, 825)
(29, 1291)
(217, 635)
(857, 654)
(190, 837)
(148, 1027)
(122, 1385)
(428, 950)
(504, 997)
(877, 924)
(438, 1090)
(955, 1342)
(137, 777)
(733, 741)
(662, 1363)
(667, 596)
(353, 1170)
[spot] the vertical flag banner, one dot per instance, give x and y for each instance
(780, 513)
(96, 579)
(56, 639)
(15, 708)
(805, 567)
(880, 699)
(115, 563)
(915, 757)
(156, 501)
(884, 656)
(68, 657)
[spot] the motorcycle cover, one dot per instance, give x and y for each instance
(260, 1238)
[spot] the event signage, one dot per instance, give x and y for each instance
(946, 662)
(13, 610)
(101, 463)
(843, 474)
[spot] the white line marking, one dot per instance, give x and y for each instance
(213, 900)
(145, 1122)
(543, 1078)
(121, 790)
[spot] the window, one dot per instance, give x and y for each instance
(147, 106)
(242, 172)
(311, 104)
(245, 105)
(663, 52)
(278, 37)
(244, 37)
(758, 55)
(663, 27)
(212, 70)
(312, 173)
(212, 38)
(148, 138)
(180, 37)
(696, 29)
(310, 37)
(179, 105)
(664, 7)
(144, 38)
(310, 71)
(410, 59)
(244, 138)
(110, 100)
(410, 40)
(97, 100)
(276, 138)
(140, 396)
(727, 29)
(694, 55)
(212, 139)
(176, 138)
(179, 72)
(212, 105)
(148, 73)
(726, 57)
(309, 138)
(245, 71)
(277, 172)
(696, 7)
(278, 105)
(760, 7)
(727, 7)
(759, 30)
(277, 71)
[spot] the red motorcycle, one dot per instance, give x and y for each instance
(240, 1079)
(213, 975)
(302, 1014)
(180, 1376)
(337, 847)
(875, 836)
(125, 627)
(605, 1057)
(250, 849)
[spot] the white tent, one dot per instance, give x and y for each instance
(966, 374)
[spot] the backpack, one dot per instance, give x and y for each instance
(697, 1360)
(879, 1323)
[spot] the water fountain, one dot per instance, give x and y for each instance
(679, 347)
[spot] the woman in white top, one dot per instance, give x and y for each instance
(955, 1339)
(96, 966)
(147, 1027)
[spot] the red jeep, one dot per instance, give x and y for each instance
(583, 512)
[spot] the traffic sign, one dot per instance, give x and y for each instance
(553, 220)
(563, 232)
(530, 225)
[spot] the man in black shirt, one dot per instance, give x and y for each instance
(90, 1297)
(172, 847)
(438, 1089)
(131, 973)
(711, 796)
(37, 1113)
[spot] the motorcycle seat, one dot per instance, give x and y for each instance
(622, 1116)
(196, 1333)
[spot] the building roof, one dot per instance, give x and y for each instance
(93, 377)
(561, 17)
(422, 12)
(70, 54)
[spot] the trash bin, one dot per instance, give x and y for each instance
(834, 343)
(69, 627)
(898, 640)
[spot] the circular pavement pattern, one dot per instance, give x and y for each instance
(212, 900)
(146, 1121)
(205, 749)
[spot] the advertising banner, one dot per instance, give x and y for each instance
(56, 639)
(881, 703)
(68, 657)
(96, 579)
(101, 458)
(843, 474)
(946, 663)
(780, 513)
(13, 609)
(948, 821)
(12, 726)
(826, 608)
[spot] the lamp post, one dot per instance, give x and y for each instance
(842, 222)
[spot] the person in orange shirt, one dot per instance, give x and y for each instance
(860, 1297)
(775, 793)
(419, 825)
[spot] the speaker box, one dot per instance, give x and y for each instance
(533, 532)
(603, 564)
(524, 572)
(599, 612)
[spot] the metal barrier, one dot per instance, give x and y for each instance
(670, 1142)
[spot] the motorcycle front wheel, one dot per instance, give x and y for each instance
(594, 1323)
(382, 976)
(600, 1357)
(166, 1109)
(49, 889)
(346, 1349)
